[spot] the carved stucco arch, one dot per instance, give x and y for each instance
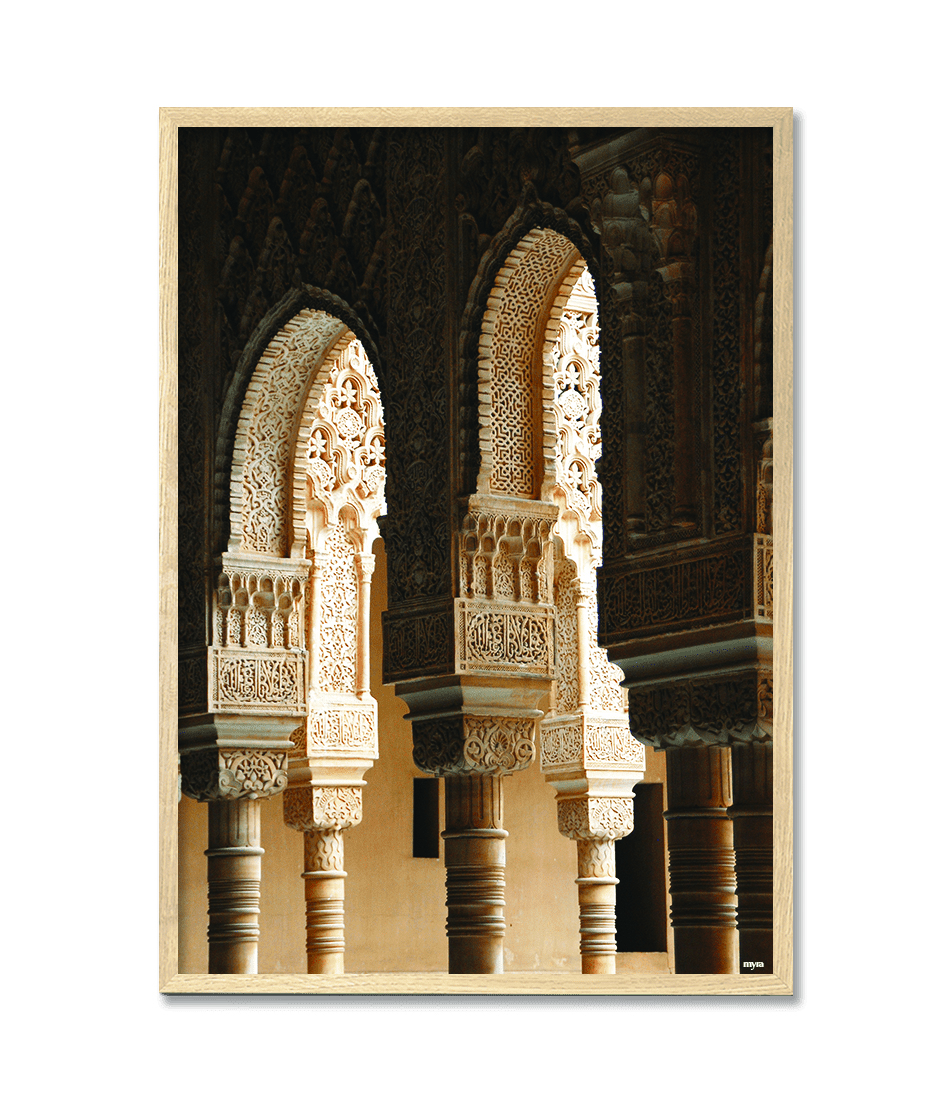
(262, 500)
(518, 330)
(530, 216)
(232, 433)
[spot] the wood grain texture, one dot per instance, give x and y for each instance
(779, 983)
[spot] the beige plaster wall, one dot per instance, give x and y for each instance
(395, 904)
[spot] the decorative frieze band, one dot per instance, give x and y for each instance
(338, 728)
(257, 681)
(479, 744)
(495, 637)
(417, 644)
(704, 712)
(714, 588)
(211, 774)
(259, 603)
(590, 741)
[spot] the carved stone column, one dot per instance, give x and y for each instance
(751, 814)
(698, 722)
(702, 860)
(473, 753)
(595, 818)
(322, 813)
(341, 463)
(233, 782)
(475, 873)
(234, 886)
(587, 752)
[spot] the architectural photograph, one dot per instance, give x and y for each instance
(483, 451)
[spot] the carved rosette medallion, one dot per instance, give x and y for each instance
(208, 775)
(329, 807)
(714, 711)
(473, 744)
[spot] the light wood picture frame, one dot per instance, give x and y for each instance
(781, 981)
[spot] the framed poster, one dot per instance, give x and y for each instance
(476, 655)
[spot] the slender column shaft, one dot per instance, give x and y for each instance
(597, 894)
(583, 648)
(751, 814)
(323, 889)
(365, 563)
(475, 874)
(234, 885)
(702, 860)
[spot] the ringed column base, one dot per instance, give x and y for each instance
(598, 906)
(475, 874)
(234, 885)
(323, 891)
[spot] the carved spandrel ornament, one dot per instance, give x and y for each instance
(208, 775)
(473, 744)
(722, 711)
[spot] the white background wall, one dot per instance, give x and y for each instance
(83, 85)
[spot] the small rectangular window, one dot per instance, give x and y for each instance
(425, 818)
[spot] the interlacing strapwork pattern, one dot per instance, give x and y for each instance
(575, 359)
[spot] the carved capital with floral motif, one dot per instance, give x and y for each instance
(715, 711)
(210, 774)
(473, 744)
(594, 818)
(323, 808)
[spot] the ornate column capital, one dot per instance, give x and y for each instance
(592, 817)
(473, 744)
(212, 774)
(365, 566)
(584, 590)
(627, 243)
(323, 807)
(679, 285)
(727, 710)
